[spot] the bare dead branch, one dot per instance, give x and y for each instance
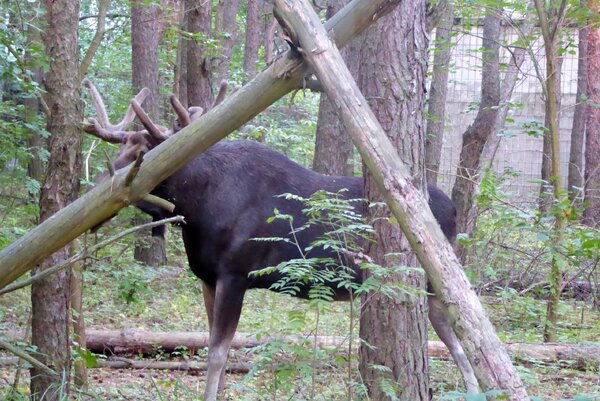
(26, 357)
(160, 202)
(100, 30)
(134, 169)
(109, 164)
(86, 253)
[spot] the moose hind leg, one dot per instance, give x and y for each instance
(208, 293)
(228, 299)
(444, 330)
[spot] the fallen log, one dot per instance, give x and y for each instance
(135, 342)
(124, 363)
(146, 342)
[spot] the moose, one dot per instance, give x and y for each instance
(226, 196)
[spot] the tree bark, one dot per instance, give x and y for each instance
(252, 39)
(393, 331)
(145, 38)
(333, 147)
(547, 173)
(437, 94)
(591, 215)
(575, 178)
(147, 342)
(477, 134)
(506, 90)
(490, 362)
(180, 73)
(550, 25)
(80, 377)
(50, 296)
(35, 142)
(227, 30)
(199, 65)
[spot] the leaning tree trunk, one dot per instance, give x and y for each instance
(50, 296)
(575, 178)
(145, 38)
(333, 146)
(393, 331)
(482, 346)
(477, 134)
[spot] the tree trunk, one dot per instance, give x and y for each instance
(269, 39)
(145, 38)
(199, 68)
(227, 31)
(35, 142)
(506, 90)
(482, 346)
(437, 94)
(550, 33)
(547, 178)
(50, 296)
(333, 146)
(575, 178)
(394, 331)
(252, 40)
(477, 134)
(80, 377)
(591, 215)
(180, 72)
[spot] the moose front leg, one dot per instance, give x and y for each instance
(226, 310)
(444, 330)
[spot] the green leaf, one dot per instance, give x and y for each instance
(90, 359)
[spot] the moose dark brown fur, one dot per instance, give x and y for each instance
(226, 196)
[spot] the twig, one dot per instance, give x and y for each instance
(85, 253)
(26, 357)
(134, 169)
(160, 202)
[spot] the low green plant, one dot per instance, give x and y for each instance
(344, 234)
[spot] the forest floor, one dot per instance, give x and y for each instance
(169, 299)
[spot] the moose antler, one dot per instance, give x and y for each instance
(221, 95)
(102, 128)
(185, 117)
(157, 133)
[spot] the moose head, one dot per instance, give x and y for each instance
(136, 142)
